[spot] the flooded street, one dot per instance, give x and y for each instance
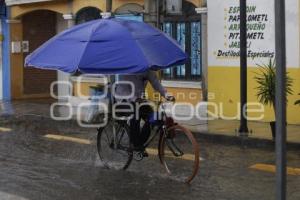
(34, 165)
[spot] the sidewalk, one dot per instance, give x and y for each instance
(217, 129)
(258, 131)
(39, 107)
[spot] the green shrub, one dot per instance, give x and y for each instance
(266, 80)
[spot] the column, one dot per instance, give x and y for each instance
(204, 53)
(70, 19)
(63, 89)
(150, 16)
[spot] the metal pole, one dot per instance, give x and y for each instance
(280, 99)
(243, 130)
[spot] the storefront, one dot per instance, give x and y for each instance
(223, 53)
(184, 82)
(32, 23)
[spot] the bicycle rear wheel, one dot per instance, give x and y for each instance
(179, 153)
(114, 147)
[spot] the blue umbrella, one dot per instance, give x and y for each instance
(108, 46)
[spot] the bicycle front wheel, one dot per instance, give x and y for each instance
(179, 153)
(114, 146)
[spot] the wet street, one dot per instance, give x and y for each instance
(36, 162)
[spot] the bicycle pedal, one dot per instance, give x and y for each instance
(138, 156)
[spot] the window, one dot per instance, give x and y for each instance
(130, 17)
(188, 35)
(195, 49)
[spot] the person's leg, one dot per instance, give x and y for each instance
(135, 132)
(169, 123)
(134, 126)
(145, 133)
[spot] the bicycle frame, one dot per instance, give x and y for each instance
(166, 130)
(162, 128)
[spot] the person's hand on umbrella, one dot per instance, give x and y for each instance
(170, 98)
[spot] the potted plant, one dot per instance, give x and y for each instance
(266, 80)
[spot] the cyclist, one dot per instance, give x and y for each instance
(139, 82)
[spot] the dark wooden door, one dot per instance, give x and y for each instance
(38, 27)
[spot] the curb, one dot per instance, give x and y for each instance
(244, 142)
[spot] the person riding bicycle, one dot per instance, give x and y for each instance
(139, 82)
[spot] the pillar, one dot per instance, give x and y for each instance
(150, 15)
(63, 89)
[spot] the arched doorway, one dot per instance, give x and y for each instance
(132, 11)
(87, 14)
(38, 27)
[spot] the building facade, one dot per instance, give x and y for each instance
(211, 39)
(32, 22)
(223, 54)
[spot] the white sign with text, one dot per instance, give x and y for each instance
(224, 32)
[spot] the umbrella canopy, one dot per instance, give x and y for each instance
(108, 46)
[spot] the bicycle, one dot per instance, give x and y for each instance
(178, 149)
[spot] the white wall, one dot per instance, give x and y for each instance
(220, 18)
(63, 90)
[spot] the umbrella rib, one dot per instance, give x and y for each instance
(87, 42)
(158, 35)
